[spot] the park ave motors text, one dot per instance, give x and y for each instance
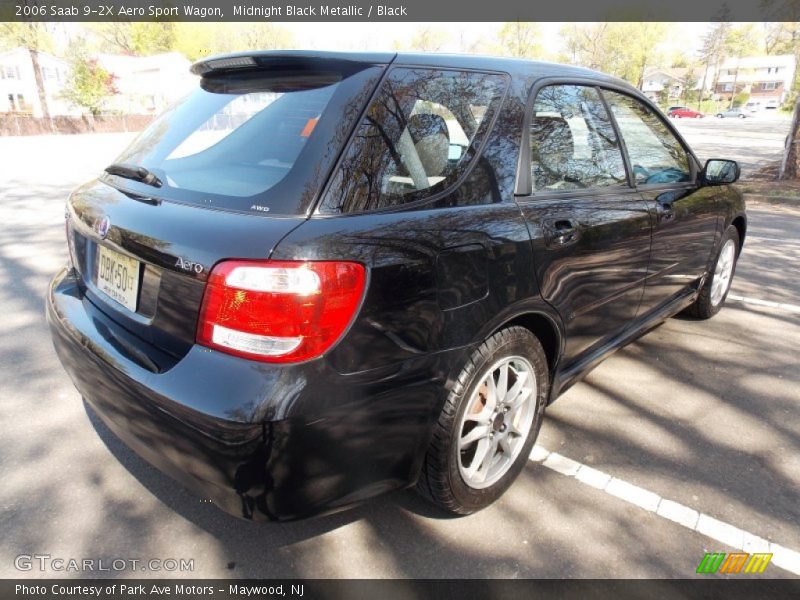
(180, 590)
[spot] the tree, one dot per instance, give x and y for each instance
(137, 39)
(247, 36)
(35, 38)
(197, 40)
(88, 84)
(425, 39)
(781, 38)
(740, 41)
(621, 49)
(519, 40)
(711, 53)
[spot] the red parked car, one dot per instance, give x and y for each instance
(685, 113)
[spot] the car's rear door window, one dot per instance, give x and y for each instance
(420, 133)
(656, 155)
(572, 142)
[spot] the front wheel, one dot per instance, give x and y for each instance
(489, 423)
(715, 288)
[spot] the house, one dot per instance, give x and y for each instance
(18, 91)
(146, 84)
(767, 79)
(674, 81)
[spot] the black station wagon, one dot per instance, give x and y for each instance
(325, 276)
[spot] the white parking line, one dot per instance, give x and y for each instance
(793, 308)
(722, 532)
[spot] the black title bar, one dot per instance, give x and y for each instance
(399, 10)
(409, 589)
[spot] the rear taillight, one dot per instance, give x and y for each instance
(279, 311)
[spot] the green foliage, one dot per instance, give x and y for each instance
(152, 38)
(196, 40)
(741, 99)
(138, 39)
(89, 84)
(426, 39)
(621, 49)
(742, 40)
(33, 36)
(520, 40)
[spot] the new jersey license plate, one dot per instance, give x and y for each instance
(118, 277)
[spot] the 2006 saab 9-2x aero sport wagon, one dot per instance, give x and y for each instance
(325, 276)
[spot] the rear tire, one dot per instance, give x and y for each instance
(483, 436)
(716, 287)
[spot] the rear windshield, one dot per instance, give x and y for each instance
(418, 136)
(249, 142)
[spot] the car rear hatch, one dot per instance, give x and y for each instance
(229, 172)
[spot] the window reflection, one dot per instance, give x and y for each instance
(573, 145)
(656, 155)
(417, 137)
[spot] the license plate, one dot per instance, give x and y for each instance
(118, 277)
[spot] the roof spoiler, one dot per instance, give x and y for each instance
(296, 59)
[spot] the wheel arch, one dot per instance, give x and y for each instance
(544, 326)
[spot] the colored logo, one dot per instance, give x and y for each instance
(733, 563)
(102, 226)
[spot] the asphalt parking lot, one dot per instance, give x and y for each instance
(754, 142)
(685, 442)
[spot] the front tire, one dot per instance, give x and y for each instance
(715, 288)
(488, 424)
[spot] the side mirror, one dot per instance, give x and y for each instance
(719, 171)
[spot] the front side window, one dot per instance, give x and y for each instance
(572, 141)
(419, 134)
(656, 155)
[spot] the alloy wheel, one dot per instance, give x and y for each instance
(496, 422)
(723, 273)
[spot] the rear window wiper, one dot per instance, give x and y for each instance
(134, 172)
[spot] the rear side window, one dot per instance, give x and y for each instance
(572, 141)
(420, 133)
(656, 155)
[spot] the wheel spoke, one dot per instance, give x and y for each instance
(484, 445)
(522, 377)
(481, 431)
(491, 398)
(519, 401)
(481, 416)
(488, 459)
(502, 382)
(505, 445)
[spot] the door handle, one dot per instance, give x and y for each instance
(561, 232)
(666, 211)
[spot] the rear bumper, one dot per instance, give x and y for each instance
(261, 442)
